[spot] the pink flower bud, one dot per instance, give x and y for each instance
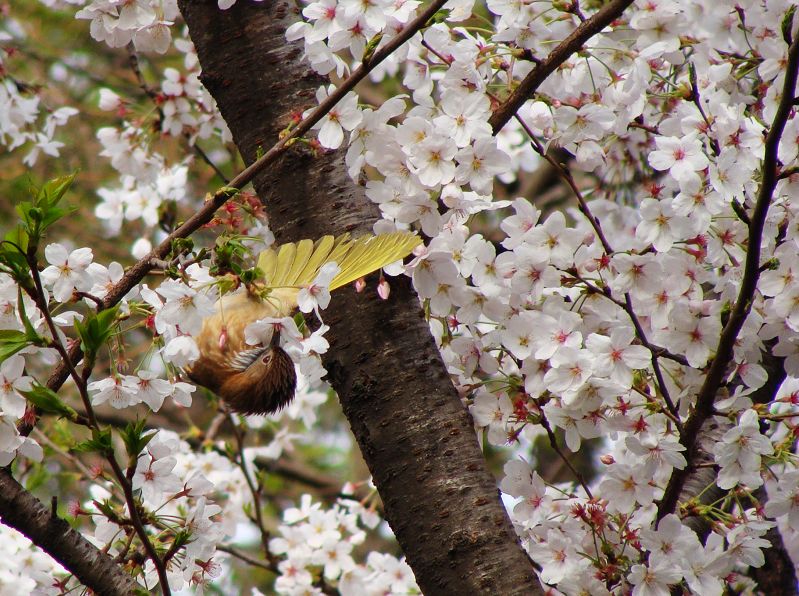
(383, 289)
(360, 284)
(607, 459)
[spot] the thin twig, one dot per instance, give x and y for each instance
(39, 297)
(205, 157)
(697, 101)
(255, 489)
(214, 426)
(133, 60)
(249, 559)
(553, 442)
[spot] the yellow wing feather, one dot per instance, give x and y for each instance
(339, 250)
(267, 263)
(298, 264)
(285, 258)
(305, 249)
(373, 252)
(319, 257)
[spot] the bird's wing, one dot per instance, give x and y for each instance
(298, 264)
(370, 253)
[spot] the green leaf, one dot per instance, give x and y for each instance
(42, 212)
(370, 48)
(48, 401)
(229, 191)
(95, 329)
(299, 320)
(249, 276)
(53, 191)
(53, 214)
(100, 443)
(439, 17)
(181, 539)
(106, 508)
(787, 24)
(36, 476)
(11, 342)
(30, 331)
(12, 256)
(134, 438)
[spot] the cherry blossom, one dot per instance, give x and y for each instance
(317, 295)
(67, 271)
(344, 116)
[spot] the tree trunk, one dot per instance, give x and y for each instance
(415, 435)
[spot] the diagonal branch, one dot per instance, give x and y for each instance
(573, 43)
(21, 510)
(743, 303)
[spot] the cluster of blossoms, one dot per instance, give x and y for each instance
(26, 569)
(147, 180)
(314, 541)
(597, 322)
(145, 23)
(566, 322)
(24, 119)
(185, 489)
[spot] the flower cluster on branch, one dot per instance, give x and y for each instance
(635, 324)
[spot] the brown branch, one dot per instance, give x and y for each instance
(256, 490)
(22, 511)
(743, 303)
(246, 557)
(573, 43)
(553, 443)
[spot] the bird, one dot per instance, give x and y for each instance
(261, 379)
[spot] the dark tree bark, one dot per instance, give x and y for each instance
(415, 435)
(21, 510)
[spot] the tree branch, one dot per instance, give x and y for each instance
(22, 511)
(743, 303)
(573, 43)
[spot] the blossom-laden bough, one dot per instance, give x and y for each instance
(654, 321)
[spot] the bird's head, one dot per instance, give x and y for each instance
(265, 385)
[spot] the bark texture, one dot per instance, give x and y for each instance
(27, 514)
(414, 433)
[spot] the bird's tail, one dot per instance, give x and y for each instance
(298, 263)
